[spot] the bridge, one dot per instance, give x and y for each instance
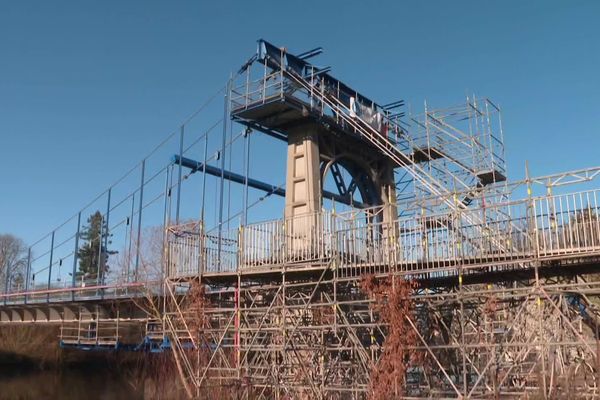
(395, 258)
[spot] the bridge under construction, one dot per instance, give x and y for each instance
(395, 260)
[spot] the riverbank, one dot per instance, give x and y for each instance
(31, 346)
(33, 366)
(101, 376)
(68, 383)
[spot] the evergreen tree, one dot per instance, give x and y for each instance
(93, 253)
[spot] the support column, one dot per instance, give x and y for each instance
(303, 184)
(303, 224)
(387, 187)
(388, 195)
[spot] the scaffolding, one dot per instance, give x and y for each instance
(291, 318)
(445, 279)
(500, 306)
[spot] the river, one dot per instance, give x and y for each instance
(66, 384)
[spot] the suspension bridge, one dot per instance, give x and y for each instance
(257, 288)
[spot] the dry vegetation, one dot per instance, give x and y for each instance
(34, 351)
(199, 324)
(393, 304)
(35, 346)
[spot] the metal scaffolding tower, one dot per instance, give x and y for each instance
(498, 304)
(431, 276)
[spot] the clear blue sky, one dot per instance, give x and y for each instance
(87, 88)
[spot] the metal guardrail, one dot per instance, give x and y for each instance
(192, 252)
(459, 241)
(78, 293)
(95, 332)
(300, 239)
(440, 244)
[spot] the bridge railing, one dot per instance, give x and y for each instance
(90, 331)
(257, 91)
(184, 250)
(191, 251)
(440, 244)
(293, 240)
(221, 252)
(568, 224)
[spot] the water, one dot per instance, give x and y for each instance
(66, 384)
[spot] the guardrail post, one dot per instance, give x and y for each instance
(531, 218)
(139, 227)
(75, 253)
(222, 177)
(246, 135)
(281, 64)
(460, 254)
(106, 223)
(179, 174)
(165, 254)
(50, 266)
(335, 251)
(27, 273)
(247, 87)
(285, 243)
(202, 249)
(264, 84)
(534, 227)
(240, 254)
(7, 272)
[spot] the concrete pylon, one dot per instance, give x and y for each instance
(303, 223)
(303, 186)
(308, 148)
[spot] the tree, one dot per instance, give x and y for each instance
(13, 261)
(93, 253)
(584, 227)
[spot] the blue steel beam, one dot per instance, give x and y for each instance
(231, 176)
(253, 183)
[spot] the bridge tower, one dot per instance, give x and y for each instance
(314, 151)
(319, 142)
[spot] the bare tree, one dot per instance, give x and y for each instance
(150, 260)
(13, 262)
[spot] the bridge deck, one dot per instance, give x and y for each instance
(56, 306)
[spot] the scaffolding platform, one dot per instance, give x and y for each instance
(275, 114)
(425, 154)
(490, 177)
